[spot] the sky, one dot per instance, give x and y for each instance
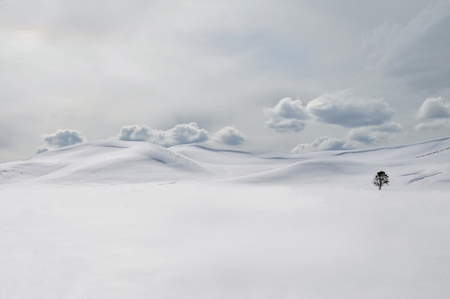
(260, 75)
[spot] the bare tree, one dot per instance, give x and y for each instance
(381, 178)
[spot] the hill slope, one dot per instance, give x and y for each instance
(105, 162)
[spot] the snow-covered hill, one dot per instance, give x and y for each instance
(111, 219)
(138, 162)
(105, 162)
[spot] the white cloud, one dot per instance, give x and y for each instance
(323, 143)
(434, 125)
(347, 110)
(434, 108)
(229, 136)
(287, 115)
(180, 134)
(375, 134)
(61, 138)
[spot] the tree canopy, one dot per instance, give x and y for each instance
(381, 178)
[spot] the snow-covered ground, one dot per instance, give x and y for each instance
(111, 219)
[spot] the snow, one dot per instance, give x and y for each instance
(113, 219)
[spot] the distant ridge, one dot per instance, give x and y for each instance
(211, 149)
(433, 141)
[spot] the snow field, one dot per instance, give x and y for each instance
(196, 240)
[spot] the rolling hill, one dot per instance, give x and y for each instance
(107, 161)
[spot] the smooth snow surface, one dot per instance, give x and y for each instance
(110, 219)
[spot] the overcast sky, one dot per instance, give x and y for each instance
(261, 75)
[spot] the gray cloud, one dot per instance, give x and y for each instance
(323, 143)
(229, 136)
(136, 133)
(89, 65)
(180, 134)
(347, 110)
(435, 125)
(437, 112)
(375, 134)
(287, 115)
(61, 138)
(415, 52)
(434, 108)
(286, 125)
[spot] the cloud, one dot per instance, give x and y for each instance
(167, 57)
(375, 134)
(286, 125)
(61, 138)
(345, 109)
(434, 108)
(287, 115)
(180, 134)
(323, 143)
(434, 125)
(229, 136)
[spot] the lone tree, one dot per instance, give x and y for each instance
(381, 179)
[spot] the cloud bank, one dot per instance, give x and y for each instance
(229, 136)
(287, 116)
(370, 119)
(61, 138)
(323, 143)
(180, 134)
